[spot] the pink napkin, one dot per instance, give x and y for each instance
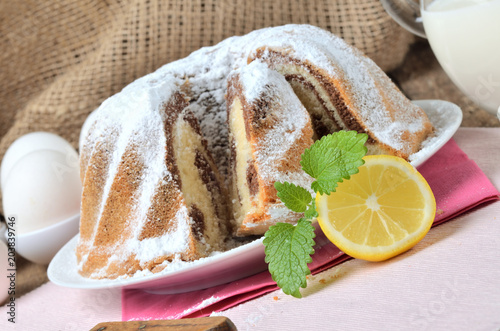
(458, 185)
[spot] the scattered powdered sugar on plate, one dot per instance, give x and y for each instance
(201, 305)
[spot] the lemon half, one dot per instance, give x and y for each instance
(380, 212)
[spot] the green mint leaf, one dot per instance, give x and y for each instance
(294, 197)
(288, 251)
(311, 211)
(334, 158)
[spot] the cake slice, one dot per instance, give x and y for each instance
(151, 191)
(269, 130)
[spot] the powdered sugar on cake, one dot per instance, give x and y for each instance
(149, 248)
(290, 119)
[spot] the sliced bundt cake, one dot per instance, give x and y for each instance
(151, 190)
(269, 130)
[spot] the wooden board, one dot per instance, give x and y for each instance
(219, 323)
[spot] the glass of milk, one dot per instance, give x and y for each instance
(465, 37)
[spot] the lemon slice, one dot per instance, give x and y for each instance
(380, 212)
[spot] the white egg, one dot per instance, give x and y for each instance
(42, 188)
(32, 142)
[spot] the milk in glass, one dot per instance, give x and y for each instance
(465, 37)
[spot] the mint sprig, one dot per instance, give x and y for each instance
(289, 247)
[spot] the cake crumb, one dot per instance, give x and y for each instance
(439, 211)
(275, 298)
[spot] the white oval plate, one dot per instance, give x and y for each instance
(239, 262)
(446, 118)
